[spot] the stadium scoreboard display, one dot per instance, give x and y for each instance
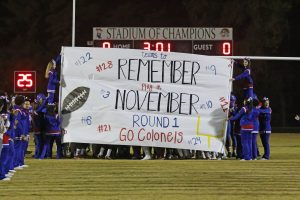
(196, 40)
(24, 81)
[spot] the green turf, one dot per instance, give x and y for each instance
(278, 178)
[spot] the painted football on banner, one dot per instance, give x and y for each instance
(75, 99)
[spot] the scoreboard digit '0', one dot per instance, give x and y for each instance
(196, 40)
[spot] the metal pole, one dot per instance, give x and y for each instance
(73, 24)
(262, 58)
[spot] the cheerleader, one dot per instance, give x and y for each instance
(4, 151)
(11, 133)
(4, 125)
(256, 113)
(239, 147)
(231, 137)
(265, 127)
(19, 131)
(3, 107)
(246, 76)
(51, 75)
(38, 123)
(27, 125)
(53, 131)
(246, 122)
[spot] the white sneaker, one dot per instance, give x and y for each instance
(107, 158)
(147, 157)
(8, 175)
(12, 171)
(264, 159)
(208, 156)
(5, 179)
(99, 156)
(214, 157)
(18, 168)
(242, 160)
(25, 166)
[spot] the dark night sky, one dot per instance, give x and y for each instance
(32, 32)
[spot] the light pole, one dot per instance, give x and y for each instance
(73, 24)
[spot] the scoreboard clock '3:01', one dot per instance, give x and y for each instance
(196, 40)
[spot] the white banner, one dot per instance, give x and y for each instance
(144, 98)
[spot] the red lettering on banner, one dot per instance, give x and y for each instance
(104, 128)
(223, 104)
(126, 135)
(130, 135)
(180, 134)
(104, 66)
(169, 137)
(122, 135)
(139, 133)
(151, 135)
(149, 87)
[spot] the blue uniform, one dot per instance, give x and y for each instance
(4, 158)
(19, 134)
(248, 81)
(11, 133)
(256, 113)
(53, 133)
(52, 83)
(38, 122)
(41, 107)
(231, 137)
(246, 123)
(239, 147)
(265, 130)
(25, 139)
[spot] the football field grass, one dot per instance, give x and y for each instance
(278, 178)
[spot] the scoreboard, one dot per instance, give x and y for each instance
(24, 81)
(196, 40)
